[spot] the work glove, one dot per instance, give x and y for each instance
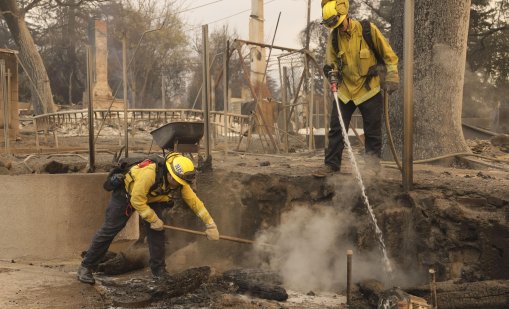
(157, 224)
(332, 75)
(327, 70)
(212, 232)
(391, 83)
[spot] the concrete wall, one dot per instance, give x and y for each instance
(53, 216)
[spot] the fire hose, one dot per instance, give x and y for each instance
(389, 132)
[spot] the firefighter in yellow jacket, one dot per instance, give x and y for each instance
(148, 198)
(353, 63)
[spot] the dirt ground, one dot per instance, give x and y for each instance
(52, 284)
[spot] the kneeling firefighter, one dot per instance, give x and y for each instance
(148, 188)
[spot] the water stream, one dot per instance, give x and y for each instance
(358, 176)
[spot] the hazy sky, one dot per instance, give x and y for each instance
(292, 21)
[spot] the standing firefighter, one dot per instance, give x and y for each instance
(354, 49)
(148, 188)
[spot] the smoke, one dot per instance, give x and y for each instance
(311, 242)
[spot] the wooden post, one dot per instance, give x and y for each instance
(408, 108)
(285, 104)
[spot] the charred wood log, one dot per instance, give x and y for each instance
(257, 283)
(370, 289)
(182, 283)
(132, 259)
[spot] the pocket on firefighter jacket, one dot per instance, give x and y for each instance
(365, 61)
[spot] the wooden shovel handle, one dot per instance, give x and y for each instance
(235, 239)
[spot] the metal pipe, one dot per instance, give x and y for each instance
(267, 45)
(205, 94)
(285, 102)
(7, 119)
(163, 91)
(226, 77)
(349, 254)
(3, 91)
(91, 145)
(126, 99)
(433, 289)
(408, 110)
(311, 108)
(308, 23)
(326, 101)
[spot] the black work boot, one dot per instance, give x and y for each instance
(324, 171)
(160, 274)
(85, 275)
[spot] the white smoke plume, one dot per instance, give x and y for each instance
(311, 244)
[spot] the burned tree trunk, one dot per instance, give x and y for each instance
(482, 294)
(30, 57)
(441, 29)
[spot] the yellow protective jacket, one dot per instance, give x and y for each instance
(138, 182)
(357, 58)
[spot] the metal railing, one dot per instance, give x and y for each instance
(238, 126)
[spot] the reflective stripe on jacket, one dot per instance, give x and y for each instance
(357, 58)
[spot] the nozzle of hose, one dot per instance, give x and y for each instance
(334, 87)
(333, 80)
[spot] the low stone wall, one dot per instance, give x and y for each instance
(53, 216)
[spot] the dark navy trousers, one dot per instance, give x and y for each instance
(118, 213)
(371, 112)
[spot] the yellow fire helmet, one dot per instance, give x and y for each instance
(334, 12)
(181, 169)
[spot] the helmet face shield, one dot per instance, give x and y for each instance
(331, 21)
(188, 177)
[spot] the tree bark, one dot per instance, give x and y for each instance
(42, 96)
(441, 29)
(72, 68)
